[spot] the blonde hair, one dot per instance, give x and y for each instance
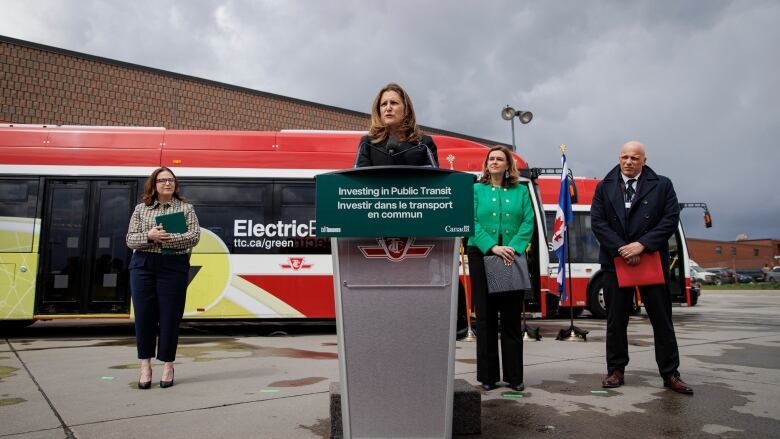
(409, 131)
(514, 174)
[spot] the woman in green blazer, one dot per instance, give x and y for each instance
(504, 224)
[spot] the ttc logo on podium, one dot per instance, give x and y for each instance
(395, 249)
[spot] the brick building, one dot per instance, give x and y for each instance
(47, 85)
(748, 253)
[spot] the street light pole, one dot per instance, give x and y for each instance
(514, 147)
(509, 113)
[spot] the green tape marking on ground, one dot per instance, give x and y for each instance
(106, 378)
(512, 395)
(599, 392)
(269, 390)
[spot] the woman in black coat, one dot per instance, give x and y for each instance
(394, 138)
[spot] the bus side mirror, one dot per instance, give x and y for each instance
(572, 189)
(707, 219)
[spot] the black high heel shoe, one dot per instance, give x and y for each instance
(145, 384)
(166, 384)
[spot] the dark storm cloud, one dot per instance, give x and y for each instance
(695, 81)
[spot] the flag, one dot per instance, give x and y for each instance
(563, 216)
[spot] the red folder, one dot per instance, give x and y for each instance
(647, 272)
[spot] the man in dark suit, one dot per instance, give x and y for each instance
(635, 211)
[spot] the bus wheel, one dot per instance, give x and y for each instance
(694, 297)
(597, 303)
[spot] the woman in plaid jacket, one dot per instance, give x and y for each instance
(159, 272)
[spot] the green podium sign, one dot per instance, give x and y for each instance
(384, 201)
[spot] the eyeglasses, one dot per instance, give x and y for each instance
(166, 180)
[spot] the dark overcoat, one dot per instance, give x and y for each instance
(651, 220)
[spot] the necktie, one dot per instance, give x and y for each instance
(630, 192)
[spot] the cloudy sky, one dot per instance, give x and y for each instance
(697, 81)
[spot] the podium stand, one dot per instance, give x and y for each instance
(395, 239)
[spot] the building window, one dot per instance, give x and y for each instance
(755, 252)
(717, 250)
(733, 251)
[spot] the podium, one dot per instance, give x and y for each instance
(395, 234)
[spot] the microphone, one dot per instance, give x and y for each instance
(392, 144)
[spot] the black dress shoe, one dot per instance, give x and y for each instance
(517, 387)
(166, 384)
(488, 386)
(678, 385)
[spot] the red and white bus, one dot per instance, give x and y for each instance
(66, 194)
(587, 284)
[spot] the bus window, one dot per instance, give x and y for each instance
(18, 204)
(245, 217)
(583, 246)
(297, 207)
(587, 247)
(237, 212)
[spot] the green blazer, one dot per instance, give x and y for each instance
(502, 211)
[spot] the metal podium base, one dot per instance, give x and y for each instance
(396, 380)
(466, 416)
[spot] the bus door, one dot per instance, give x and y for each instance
(84, 257)
(676, 268)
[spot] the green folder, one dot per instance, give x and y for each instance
(172, 223)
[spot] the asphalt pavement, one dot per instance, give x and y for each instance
(78, 379)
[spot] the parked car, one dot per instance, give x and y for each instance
(743, 278)
(774, 275)
(755, 275)
(725, 275)
(701, 275)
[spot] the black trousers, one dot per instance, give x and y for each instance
(658, 303)
(488, 308)
(158, 284)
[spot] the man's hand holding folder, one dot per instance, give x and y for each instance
(647, 272)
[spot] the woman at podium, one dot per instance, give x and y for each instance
(503, 226)
(394, 138)
(162, 231)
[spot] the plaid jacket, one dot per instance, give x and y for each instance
(143, 219)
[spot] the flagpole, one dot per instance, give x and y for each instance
(530, 333)
(572, 333)
(470, 336)
(571, 289)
